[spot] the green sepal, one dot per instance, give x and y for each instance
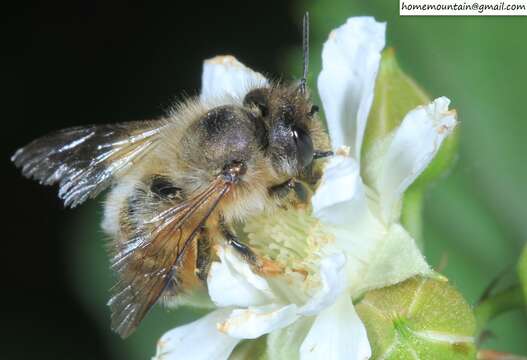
(396, 94)
(250, 350)
(284, 344)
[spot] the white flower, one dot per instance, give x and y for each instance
(354, 241)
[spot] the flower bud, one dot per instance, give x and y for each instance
(420, 318)
(395, 95)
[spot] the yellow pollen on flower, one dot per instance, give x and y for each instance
(343, 151)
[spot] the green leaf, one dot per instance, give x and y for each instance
(420, 318)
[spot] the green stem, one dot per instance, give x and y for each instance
(412, 214)
(522, 271)
(488, 309)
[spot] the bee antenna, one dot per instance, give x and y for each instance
(305, 50)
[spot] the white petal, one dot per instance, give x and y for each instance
(414, 144)
(231, 282)
(197, 340)
(350, 62)
(340, 199)
(254, 322)
(388, 259)
(336, 334)
(224, 76)
(333, 282)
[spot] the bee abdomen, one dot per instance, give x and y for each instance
(147, 199)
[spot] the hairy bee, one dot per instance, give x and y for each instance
(179, 183)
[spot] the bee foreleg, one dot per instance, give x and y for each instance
(282, 190)
(259, 264)
(237, 245)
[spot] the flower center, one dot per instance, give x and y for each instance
(292, 237)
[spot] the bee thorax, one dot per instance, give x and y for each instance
(223, 136)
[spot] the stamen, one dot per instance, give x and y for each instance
(291, 237)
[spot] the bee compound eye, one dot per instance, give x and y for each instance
(304, 146)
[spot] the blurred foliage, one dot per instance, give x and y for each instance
(474, 219)
(498, 303)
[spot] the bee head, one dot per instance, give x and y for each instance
(290, 121)
(294, 137)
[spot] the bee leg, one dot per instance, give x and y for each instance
(204, 257)
(259, 264)
(282, 190)
(241, 248)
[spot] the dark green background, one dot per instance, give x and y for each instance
(77, 63)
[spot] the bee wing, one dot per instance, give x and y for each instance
(148, 261)
(84, 160)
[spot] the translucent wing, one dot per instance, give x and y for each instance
(153, 257)
(84, 160)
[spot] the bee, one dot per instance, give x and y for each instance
(179, 183)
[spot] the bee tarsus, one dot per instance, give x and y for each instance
(283, 189)
(237, 245)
